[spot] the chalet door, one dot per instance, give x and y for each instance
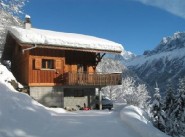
(81, 68)
(59, 67)
(82, 73)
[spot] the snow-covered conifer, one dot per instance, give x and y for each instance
(158, 115)
(178, 114)
(169, 107)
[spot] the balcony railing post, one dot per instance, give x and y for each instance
(100, 98)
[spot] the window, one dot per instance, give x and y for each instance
(47, 64)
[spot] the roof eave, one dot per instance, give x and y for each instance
(61, 47)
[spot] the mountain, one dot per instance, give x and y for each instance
(6, 20)
(124, 57)
(165, 63)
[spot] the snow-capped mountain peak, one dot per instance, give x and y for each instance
(169, 43)
(127, 55)
(124, 56)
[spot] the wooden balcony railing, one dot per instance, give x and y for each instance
(94, 79)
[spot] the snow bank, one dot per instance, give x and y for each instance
(70, 40)
(7, 76)
(136, 119)
(20, 115)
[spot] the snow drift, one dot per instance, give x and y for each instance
(19, 114)
(136, 119)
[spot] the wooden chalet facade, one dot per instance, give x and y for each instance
(57, 75)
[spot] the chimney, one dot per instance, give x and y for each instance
(27, 23)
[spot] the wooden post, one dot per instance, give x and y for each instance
(100, 98)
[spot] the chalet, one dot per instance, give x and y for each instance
(58, 68)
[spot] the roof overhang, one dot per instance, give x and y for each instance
(27, 45)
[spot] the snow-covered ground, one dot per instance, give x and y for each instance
(20, 116)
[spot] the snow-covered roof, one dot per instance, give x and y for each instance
(61, 39)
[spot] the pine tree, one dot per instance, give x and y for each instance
(178, 114)
(169, 107)
(158, 115)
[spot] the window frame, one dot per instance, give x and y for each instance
(47, 64)
(54, 64)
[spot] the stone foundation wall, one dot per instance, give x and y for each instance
(63, 97)
(79, 96)
(48, 96)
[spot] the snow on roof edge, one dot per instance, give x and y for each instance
(61, 39)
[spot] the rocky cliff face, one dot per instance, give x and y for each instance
(166, 62)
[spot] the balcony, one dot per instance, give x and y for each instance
(94, 79)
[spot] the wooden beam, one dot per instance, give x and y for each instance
(99, 58)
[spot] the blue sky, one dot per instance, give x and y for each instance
(138, 25)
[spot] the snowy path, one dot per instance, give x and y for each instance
(89, 124)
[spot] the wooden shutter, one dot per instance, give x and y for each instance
(38, 63)
(58, 64)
